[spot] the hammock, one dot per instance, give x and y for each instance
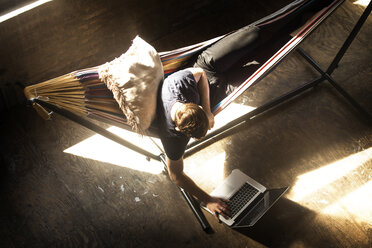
(83, 93)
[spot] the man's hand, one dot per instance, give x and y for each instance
(218, 206)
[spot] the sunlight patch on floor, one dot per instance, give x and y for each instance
(230, 113)
(341, 188)
(357, 203)
(363, 3)
(23, 9)
(311, 182)
(207, 172)
(102, 149)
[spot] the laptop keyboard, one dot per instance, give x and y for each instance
(241, 197)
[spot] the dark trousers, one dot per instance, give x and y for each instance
(247, 44)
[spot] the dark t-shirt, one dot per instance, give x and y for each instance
(178, 87)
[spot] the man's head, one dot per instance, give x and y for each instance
(191, 120)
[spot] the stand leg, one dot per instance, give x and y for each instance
(193, 204)
(350, 39)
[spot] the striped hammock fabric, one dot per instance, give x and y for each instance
(83, 93)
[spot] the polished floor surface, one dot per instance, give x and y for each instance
(64, 186)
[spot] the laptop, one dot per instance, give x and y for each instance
(248, 199)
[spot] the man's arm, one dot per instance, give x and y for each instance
(203, 87)
(177, 175)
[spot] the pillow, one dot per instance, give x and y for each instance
(134, 78)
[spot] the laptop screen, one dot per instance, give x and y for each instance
(253, 214)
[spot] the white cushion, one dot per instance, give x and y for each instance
(134, 78)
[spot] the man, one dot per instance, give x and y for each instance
(183, 109)
(184, 113)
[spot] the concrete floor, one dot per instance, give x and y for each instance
(62, 185)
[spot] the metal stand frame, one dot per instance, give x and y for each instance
(193, 146)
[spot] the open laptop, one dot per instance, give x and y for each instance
(248, 199)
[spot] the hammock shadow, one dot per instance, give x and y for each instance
(273, 229)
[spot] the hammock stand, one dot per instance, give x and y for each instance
(257, 76)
